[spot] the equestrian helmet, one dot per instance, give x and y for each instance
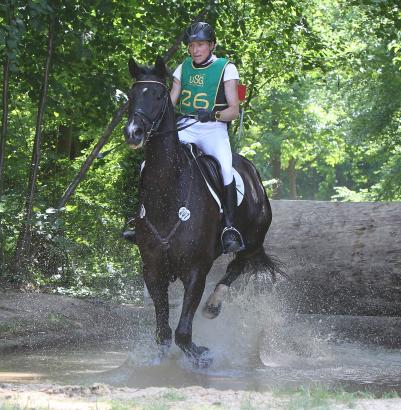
(199, 32)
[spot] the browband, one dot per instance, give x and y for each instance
(151, 81)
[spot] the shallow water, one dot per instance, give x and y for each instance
(255, 345)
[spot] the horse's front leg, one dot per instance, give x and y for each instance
(194, 286)
(158, 289)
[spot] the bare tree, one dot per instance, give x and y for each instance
(23, 243)
(4, 120)
(3, 137)
(91, 157)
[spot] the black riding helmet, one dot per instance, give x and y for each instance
(199, 32)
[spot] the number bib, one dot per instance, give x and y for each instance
(199, 86)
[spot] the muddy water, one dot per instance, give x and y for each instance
(254, 343)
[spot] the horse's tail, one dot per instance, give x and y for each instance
(260, 261)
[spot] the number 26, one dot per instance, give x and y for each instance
(198, 101)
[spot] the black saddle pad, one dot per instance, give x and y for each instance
(209, 167)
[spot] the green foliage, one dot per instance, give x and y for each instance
(344, 194)
(336, 123)
(322, 115)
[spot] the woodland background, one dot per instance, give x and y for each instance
(322, 117)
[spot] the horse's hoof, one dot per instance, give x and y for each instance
(211, 311)
(204, 361)
(213, 304)
(164, 348)
(199, 356)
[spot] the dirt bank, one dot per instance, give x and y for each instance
(102, 397)
(37, 320)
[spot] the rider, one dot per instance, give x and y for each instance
(206, 88)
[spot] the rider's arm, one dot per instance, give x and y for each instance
(231, 92)
(175, 91)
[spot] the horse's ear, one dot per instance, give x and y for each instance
(160, 67)
(134, 68)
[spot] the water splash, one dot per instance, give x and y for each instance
(256, 342)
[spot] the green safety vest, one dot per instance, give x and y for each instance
(199, 86)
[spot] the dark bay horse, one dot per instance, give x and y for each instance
(179, 225)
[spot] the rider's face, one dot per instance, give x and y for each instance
(200, 50)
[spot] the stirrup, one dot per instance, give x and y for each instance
(236, 246)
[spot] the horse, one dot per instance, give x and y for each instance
(179, 225)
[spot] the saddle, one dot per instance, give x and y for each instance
(210, 169)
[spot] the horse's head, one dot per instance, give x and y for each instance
(148, 97)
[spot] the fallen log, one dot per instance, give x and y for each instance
(342, 258)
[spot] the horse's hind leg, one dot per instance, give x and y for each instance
(158, 290)
(213, 304)
(194, 286)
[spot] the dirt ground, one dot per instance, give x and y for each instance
(34, 321)
(103, 397)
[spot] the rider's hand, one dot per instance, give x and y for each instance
(205, 115)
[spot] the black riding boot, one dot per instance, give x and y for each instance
(231, 238)
(129, 234)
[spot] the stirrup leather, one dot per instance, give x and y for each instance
(239, 236)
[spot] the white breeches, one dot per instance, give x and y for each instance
(212, 138)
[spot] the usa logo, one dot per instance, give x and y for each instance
(196, 79)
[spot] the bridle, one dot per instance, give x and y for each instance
(155, 124)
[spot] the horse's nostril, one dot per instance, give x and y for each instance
(138, 132)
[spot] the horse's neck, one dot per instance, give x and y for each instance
(163, 158)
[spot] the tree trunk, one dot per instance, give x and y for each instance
(343, 258)
(3, 137)
(4, 130)
(64, 141)
(6, 84)
(4, 121)
(292, 176)
(67, 141)
(275, 158)
(25, 234)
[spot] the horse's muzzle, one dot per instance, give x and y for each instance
(134, 135)
(134, 145)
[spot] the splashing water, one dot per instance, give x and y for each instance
(255, 342)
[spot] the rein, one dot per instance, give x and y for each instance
(164, 240)
(156, 123)
(177, 129)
